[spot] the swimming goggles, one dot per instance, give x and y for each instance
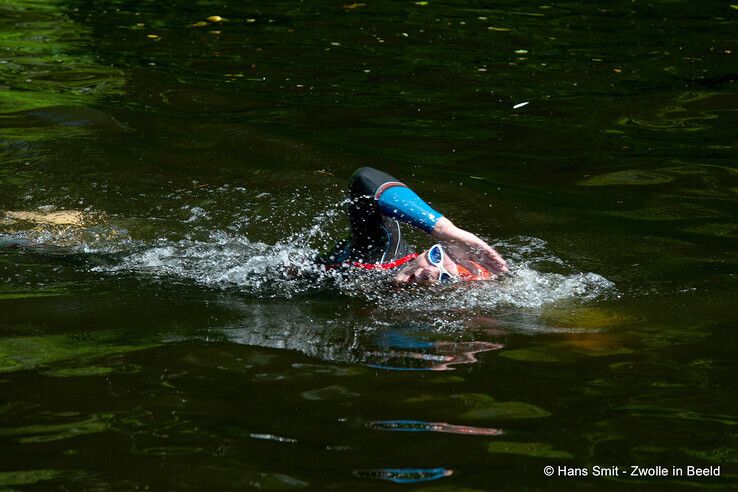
(436, 256)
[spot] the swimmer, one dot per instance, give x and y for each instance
(379, 203)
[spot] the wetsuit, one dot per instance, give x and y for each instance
(378, 203)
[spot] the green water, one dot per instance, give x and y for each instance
(158, 346)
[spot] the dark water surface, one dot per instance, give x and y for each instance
(157, 345)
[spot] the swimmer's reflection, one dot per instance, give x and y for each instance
(401, 346)
(431, 356)
(423, 426)
(405, 475)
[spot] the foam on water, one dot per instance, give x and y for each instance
(529, 285)
(409, 327)
(227, 258)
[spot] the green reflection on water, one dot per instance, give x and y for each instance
(531, 355)
(264, 481)
(13, 178)
(696, 177)
(28, 477)
(679, 414)
(6, 296)
(716, 455)
(55, 432)
(506, 410)
(532, 449)
(632, 177)
(169, 451)
(81, 371)
(42, 64)
(332, 393)
(24, 353)
(478, 406)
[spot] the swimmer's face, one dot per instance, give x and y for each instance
(421, 271)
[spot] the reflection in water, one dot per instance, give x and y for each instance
(41, 67)
(272, 437)
(63, 116)
(421, 426)
(407, 329)
(55, 432)
(443, 356)
(402, 346)
(406, 475)
(686, 112)
(32, 477)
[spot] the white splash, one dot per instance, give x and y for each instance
(217, 252)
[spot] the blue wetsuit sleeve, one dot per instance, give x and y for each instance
(403, 204)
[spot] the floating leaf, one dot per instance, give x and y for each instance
(216, 18)
(352, 6)
(520, 105)
(199, 24)
(499, 29)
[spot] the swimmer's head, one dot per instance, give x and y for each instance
(421, 270)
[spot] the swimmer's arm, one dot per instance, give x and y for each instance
(463, 245)
(402, 203)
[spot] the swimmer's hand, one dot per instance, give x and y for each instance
(462, 245)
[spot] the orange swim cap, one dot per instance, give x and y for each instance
(473, 271)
